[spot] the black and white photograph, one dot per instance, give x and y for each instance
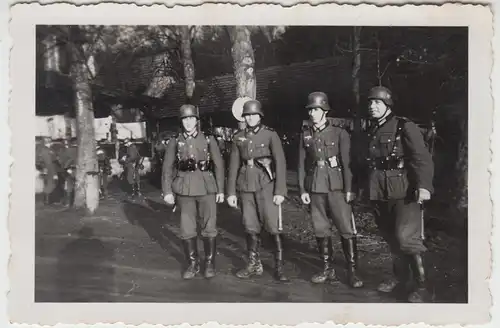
(273, 163)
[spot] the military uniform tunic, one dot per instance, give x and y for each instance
(132, 159)
(68, 163)
(255, 186)
(194, 189)
(392, 188)
(48, 161)
(324, 172)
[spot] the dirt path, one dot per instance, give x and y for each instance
(130, 252)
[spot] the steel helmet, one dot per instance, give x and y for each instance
(252, 107)
(318, 100)
(189, 111)
(381, 93)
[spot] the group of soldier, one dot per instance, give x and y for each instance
(60, 168)
(398, 179)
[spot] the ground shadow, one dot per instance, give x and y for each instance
(85, 270)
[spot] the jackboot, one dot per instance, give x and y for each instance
(254, 265)
(350, 249)
(328, 272)
(279, 273)
(191, 253)
(210, 251)
(47, 200)
(419, 294)
(401, 274)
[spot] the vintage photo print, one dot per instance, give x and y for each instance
(250, 164)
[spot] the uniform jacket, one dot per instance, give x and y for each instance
(48, 160)
(199, 147)
(104, 163)
(418, 168)
(328, 143)
(68, 157)
(250, 144)
(133, 155)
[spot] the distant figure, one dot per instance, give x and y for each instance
(193, 175)
(104, 171)
(48, 164)
(68, 157)
(132, 164)
(400, 172)
(257, 171)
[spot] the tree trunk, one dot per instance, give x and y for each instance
(243, 61)
(356, 67)
(86, 189)
(187, 61)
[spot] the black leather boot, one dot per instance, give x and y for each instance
(47, 199)
(279, 273)
(401, 274)
(210, 251)
(254, 265)
(350, 249)
(419, 294)
(324, 249)
(191, 253)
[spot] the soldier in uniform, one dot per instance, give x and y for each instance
(257, 171)
(48, 162)
(104, 171)
(67, 160)
(193, 177)
(400, 179)
(325, 182)
(132, 164)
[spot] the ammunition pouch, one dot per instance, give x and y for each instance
(191, 165)
(387, 163)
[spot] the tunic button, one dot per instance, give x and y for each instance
(319, 149)
(250, 141)
(262, 145)
(190, 146)
(251, 150)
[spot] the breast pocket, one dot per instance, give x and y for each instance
(386, 142)
(261, 149)
(332, 148)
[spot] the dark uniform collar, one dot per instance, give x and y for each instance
(321, 127)
(379, 123)
(192, 135)
(255, 129)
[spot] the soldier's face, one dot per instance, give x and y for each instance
(189, 123)
(316, 115)
(377, 108)
(252, 120)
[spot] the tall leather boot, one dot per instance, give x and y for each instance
(350, 249)
(210, 251)
(191, 253)
(254, 265)
(419, 294)
(328, 272)
(401, 274)
(279, 273)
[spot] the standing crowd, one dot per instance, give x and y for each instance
(396, 171)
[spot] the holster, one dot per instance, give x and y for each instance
(267, 164)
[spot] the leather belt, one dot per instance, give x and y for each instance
(331, 162)
(388, 163)
(191, 165)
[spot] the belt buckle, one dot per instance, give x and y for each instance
(250, 162)
(321, 163)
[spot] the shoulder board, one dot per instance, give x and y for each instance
(238, 132)
(404, 119)
(265, 127)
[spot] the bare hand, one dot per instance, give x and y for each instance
(169, 199)
(349, 196)
(219, 198)
(232, 201)
(422, 195)
(306, 199)
(278, 199)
